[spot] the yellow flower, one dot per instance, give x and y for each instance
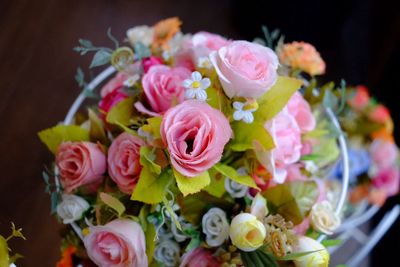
(246, 232)
(319, 258)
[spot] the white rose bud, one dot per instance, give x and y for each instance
(319, 258)
(246, 232)
(143, 34)
(323, 218)
(259, 207)
(71, 208)
(235, 189)
(167, 252)
(215, 227)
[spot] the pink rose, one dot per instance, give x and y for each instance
(115, 83)
(163, 88)
(388, 180)
(379, 114)
(360, 99)
(80, 163)
(245, 69)
(150, 62)
(199, 257)
(299, 108)
(119, 243)
(124, 161)
(110, 100)
(383, 153)
(301, 229)
(203, 43)
(195, 135)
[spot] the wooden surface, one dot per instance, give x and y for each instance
(37, 66)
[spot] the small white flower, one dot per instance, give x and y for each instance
(204, 62)
(243, 112)
(215, 227)
(235, 189)
(323, 218)
(71, 208)
(259, 207)
(131, 80)
(167, 252)
(196, 87)
(143, 34)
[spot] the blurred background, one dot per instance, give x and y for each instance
(358, 39)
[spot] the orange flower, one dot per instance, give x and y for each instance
(358, 193)
(164, 30)
(66, 259)
(303, 56)
(377, 197)
(385, 132)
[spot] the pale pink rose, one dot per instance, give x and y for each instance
(119, 243)
(245, 69)
(387, 179)
(184, 59)
(203, 43)
(124, 161)
(151, 61)
(115, 83)
(301, 229)
(383, 153)
(294, 173)
(162, 86)
(287, 138)
(80, 163)
(299, 108)
(360, 99)
(199, 257)
(379, 114)
(195, 135)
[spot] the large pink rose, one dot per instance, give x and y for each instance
(199, 257)
(203, 43)
(195, 135)
(383, 153)
(119, 243)
(299, 108)
(163, 88)
(124, 161)
(388, 180)
(245, 69)
(80, 163)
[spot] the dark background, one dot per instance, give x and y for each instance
(358, 39)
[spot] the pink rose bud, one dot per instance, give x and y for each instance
(360, 99)
(119, 243)
(150, 62)
(388, 180)
(195, 135)
(124, 161)
(199, 257)
(245, 69)
(115, 83)
(163, 88)
(383, 153)
(80, 163)
(299, 108)
(379, 114)
(110, 100)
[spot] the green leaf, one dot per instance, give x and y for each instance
(330, 100)
(97, 132)
(151, 187)
(15, 257)
(121, 113)
(101, 57)
(258, 258)
(147, 158)
(172, 213)
(191, 185)
(245, 134)
(141, 50)
(85, 43)
(17, 232)
(155, 124)
(216, 187)
(113, 203)
(305, 193)
(233, 175)
(276, 98)
(4, 257)
(150, 235)
(54, 136)
(55, 198)
(331, 242)
(294, 256)
(80, 77)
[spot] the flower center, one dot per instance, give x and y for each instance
(196, 84)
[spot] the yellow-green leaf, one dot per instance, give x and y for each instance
(121, 113)
(147, 158)
(155, 123)
(191, 185)
(54, 136)
(4, 257)
(233, 175)
(113, 203)
(216, 187)
(97, 132)
(274, 100)
(245, 134)
(151, 187)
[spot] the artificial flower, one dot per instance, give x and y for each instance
(143, 34)
(320, 258)
(360, 98)
(71, 208)
(196, 87)
(215, 226)
(383, 153)
(244, 111)
(199, 257)
(151, 61)
(164, 31)
(259, 207)
(247, 232)
(323, 218)
(235, 189)
(167, 252)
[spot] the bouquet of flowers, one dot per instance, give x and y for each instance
(200, 151)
